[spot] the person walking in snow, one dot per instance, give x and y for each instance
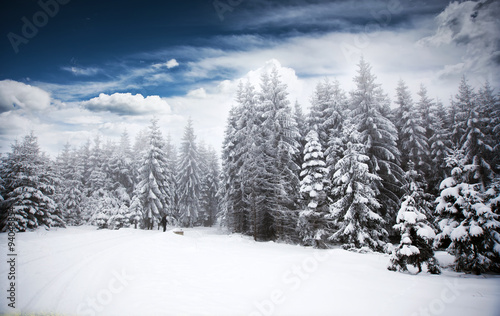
(164, 222)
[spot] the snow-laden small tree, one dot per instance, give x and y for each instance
(470, 224)
(189, 178)
(312, 223)
(103, 204)
(136, 209)
(119, 217)
(417, 236)
(355, 204)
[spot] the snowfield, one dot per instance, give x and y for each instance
(81, 271)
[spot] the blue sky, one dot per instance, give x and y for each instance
(103, 66)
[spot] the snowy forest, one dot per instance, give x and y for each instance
(358, 170)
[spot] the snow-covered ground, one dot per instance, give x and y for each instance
(205, 272)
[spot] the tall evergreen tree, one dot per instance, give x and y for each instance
(412, 142)
(211, 188)
(379, 135)
(70, 188)
(189, 178)
(280, 147)
(489, 109)
(153, 185)
(328, 106)
(461, 107)
(354, 211)
(432, 115)
(171, 167)
(302, 128)
(230, 186)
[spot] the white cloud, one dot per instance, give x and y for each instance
(172, 63)
(474, 26)
(14, 94)
(169, 64)
(127, 104)
(199, 93)
(82, 71)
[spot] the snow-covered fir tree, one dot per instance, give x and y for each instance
(189, 178)
(327, 112)
(412, 142)
(379, 135)
(302, 128)
(209, 194)
(459, 111)
(120, 165)
(153, 185)
(280, 148)
(230, 187)
(173, 197)
(466, 220)
(70, 187)
(120, 217)
(29, 187)
(313, 223)
(417, 235)
(432, 114)
(474, 144)
(354, 211)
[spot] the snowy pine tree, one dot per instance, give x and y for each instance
(29, 187)
(327, 113)
(153, 186)
(189, 178)
(313, 224)
(173, 197)
(474, 144)
(417, 235)
(465, 219)
(70, 188)
(280, 148)
(354, 211)
(412, 142)
(460, 108)
(379, 135)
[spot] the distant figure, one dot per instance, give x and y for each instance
(164, 222)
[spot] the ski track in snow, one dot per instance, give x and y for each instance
(60, 283)
(206, 272)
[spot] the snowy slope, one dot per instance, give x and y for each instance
(135, 272)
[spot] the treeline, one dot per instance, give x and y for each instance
(354, 171)
(357, 172)
(111, 185)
